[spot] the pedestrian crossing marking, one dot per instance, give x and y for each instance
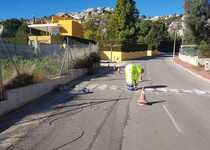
(200, 92)
(174, 90)
(186, 91)
(149, 89)
(92, 86)
(113, 87)
(102, 87)
(166, 90)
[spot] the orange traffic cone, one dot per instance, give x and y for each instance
(142, 99)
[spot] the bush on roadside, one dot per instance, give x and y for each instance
(86, 62)
(39, 76)
(20, 80)
(204, 48)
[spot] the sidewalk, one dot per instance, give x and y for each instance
(197, 71)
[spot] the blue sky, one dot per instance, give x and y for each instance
(37, 8)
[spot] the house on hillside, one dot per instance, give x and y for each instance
(59, 28)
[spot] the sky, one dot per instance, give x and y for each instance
(38, 8)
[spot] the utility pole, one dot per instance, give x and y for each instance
(2, 95)
(174, 50)
(174, 26)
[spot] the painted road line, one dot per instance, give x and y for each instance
(102, 87)
(174, 90)
(186, 91)
(199, 92)
(92, 86)
(165, 90)
(172, 119)
(149, 89)
(113, 87)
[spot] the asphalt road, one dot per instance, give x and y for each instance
(109, 118)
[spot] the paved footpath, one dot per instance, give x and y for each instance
(108, 118)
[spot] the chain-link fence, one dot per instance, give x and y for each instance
(22, 64)
(189, 50)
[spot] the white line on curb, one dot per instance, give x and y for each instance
(172, 119)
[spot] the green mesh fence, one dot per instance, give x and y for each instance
(189, 50)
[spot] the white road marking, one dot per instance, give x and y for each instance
(92, 86)
(186, 91)
(162, 90)
(113, 87)
(174, 90)
(102, 87)
(172, 119)
(155, 90)
(199, 92)
(149, 89)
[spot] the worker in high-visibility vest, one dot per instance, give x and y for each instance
(133, 74)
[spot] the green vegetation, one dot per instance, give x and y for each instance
(156, 34)
(125, 18)
(204, 48)
(87, 62)
(20, 81)
(39, 69)
(123, 28)
(48, 67)
(119, 26)
(197, 23)
(11, 27)
(15, 31)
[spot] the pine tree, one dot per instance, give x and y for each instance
(125, 18)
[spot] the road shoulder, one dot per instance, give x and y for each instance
(196, 71)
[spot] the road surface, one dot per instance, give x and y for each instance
(109, 118)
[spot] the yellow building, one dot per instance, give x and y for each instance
(60, 25)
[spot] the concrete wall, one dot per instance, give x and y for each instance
(19, 97)
(133, 55)
(193, 60)
(202, 61)
(121, 56)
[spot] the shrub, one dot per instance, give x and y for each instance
(39, 76)
(204, 48)
(86, 62)
(20, 81)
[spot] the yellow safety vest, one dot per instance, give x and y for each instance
(133, 73)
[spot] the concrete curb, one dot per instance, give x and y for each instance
(191, 72)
